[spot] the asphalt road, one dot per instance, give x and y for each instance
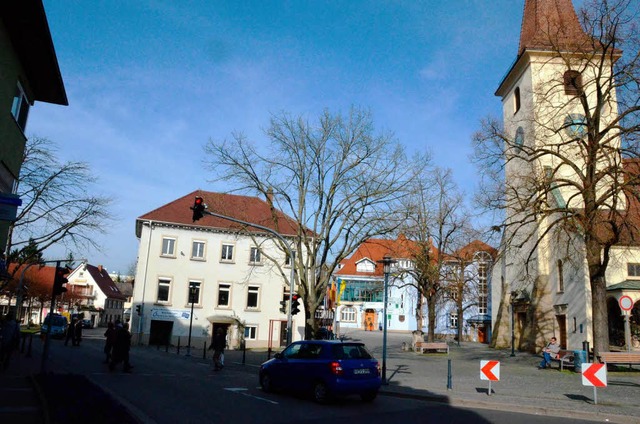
(168, 388)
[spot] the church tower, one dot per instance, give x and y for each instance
(544, 129)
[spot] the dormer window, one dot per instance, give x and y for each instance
(365, 265)
(572, 83)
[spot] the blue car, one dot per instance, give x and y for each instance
(324, 368)
(58, 326)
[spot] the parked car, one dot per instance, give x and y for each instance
(324, 368)
(58, 325)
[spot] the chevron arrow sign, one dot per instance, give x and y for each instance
(594, 375)
(490, 370)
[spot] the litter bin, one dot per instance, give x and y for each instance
(579, 358)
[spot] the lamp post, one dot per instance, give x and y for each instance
(192, 300)
(386, 267)
(513, 332)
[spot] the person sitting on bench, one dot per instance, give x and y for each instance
(550, 351)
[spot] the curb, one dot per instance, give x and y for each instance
(510, 407)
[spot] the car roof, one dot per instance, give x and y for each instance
(329, 342)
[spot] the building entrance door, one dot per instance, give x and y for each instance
(562, 330)
(370, 321)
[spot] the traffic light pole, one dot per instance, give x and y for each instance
(289, 251)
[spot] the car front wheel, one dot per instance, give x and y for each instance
(266, 383)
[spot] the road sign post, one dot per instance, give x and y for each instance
(594, 375)
(490, 370)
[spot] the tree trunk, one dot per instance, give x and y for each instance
(598, 283)
(431, 304)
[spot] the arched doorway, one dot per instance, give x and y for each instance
(616, 322)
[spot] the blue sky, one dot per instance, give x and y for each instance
(151, 81)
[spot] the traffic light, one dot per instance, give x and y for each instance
(295, 304)
(283, 306)
(138, 311)
(60, 280)
(198, 208)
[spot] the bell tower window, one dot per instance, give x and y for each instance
(516, 100)
(572, 83)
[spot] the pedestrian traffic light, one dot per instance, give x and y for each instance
(60, 280)
(295, 304)
(138, 311)
(283, 306)
(198, 208)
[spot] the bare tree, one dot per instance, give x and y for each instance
(570, 178)
(338, 179)
(59, 205)
(435, 223)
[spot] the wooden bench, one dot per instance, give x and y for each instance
(631, 358)
(564, 359)
(423, 347)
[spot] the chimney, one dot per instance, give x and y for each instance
(270, 195)
(100, 269)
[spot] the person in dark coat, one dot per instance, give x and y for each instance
(110, 339)
(9, 339)
(71, 333)
(219, 343)
(121, 348)
(77, 332)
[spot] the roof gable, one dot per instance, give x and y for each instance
(244, 208)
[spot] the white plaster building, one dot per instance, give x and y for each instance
(239, 275)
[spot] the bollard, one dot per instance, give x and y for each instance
(244, 352)
(204, 351)
(449, 376)
(585, 347)
(28, 355)
(178, 345)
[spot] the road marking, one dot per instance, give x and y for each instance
(242, 390)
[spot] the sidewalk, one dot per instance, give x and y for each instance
(522, 387)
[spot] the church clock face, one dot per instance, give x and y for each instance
(575, 125)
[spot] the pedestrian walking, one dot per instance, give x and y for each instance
(9, 339)
(77, 332)
(121, 347)
(219, 343)
(71, 333)
(110, 339)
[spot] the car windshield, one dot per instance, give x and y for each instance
(350, 351)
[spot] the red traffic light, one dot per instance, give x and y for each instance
(198, 208)
(198, 201)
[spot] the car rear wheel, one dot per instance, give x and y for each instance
(266, 383)
(368, 396)
(320, 392)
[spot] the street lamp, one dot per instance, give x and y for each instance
(192, 300)
(386, 267)
(513, 332)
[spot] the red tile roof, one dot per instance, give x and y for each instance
(375, 250)
(244, 208)
(551, 25)
(468, 252)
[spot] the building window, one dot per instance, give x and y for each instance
(252, 297)
(250, 332)
(224, 293)
(20, 107)
(254, 256)
(633, 270)
(572, 83)
(516, 100)
(482, 288)
(193, 292)
(287, 259)
(164, 288)
(453, 320)
(168, 246)
(560, 277)
(197, 250)
(227, 253)
(348, 314)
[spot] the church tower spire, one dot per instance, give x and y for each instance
(550, 25)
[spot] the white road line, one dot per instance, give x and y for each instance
(242, 390)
